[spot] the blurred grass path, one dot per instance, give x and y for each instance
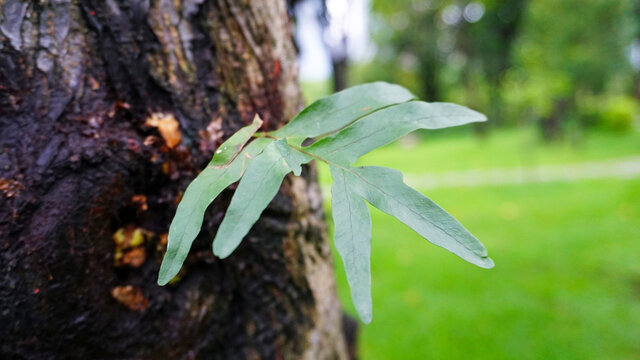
(624, 168)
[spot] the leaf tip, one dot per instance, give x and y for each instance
(364, 308)
(221, 251)
(166, 273)
(366, 317)
(257, 121)
(487, 263)
(163, 278)
(478, 116)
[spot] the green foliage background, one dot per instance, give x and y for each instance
(522, 62)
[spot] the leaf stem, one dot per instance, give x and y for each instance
(263, 134)
(319, 158)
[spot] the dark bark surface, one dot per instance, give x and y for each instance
(108, 108)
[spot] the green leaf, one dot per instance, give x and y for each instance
(258, 186)
(384, 189)
(352, 239)
(231, 148)
(346, 126)
(336, 111)
(200, 193)
(386, 125)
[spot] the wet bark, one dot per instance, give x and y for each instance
(108, 108)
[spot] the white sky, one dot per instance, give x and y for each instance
(315, 62)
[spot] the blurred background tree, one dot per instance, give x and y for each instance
(560, 64)
(570, 61)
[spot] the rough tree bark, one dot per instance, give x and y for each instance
(108, 108)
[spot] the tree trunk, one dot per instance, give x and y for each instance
(108, 108)
(551, 126)
(339, 66)
(429, 76)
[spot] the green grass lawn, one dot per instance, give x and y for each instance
(567, 279)
(505, 148)
(566, 283)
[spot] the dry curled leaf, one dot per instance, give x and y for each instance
(167, 126)
(131, 297)
(10, 188)
(134, 257)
